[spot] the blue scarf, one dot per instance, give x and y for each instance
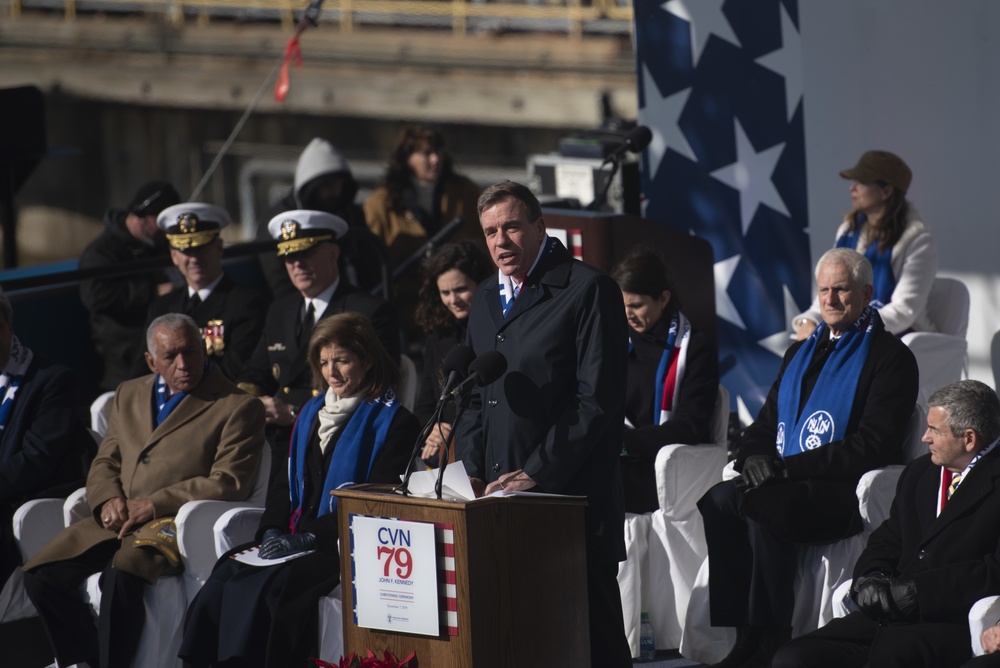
(357, 449)
(883, 280)
(164, 406)
(824, 417)
(509, 291)
(11, 378)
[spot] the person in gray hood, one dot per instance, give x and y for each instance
(324, 182)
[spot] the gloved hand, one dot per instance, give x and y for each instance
(872, 594)
(903, 594)
(758, 469)
(277, 544)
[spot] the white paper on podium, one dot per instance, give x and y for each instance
(454, 487)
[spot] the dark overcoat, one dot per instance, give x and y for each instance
(817, 503)
(558, 412)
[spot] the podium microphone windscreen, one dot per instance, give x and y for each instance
(456, 367)
(488, 367)
(638, 138)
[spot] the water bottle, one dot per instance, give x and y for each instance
(647, 645)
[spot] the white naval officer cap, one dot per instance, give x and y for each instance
(300, 229)
(192, 224)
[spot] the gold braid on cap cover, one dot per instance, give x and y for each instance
(192, 239)
(190, 236)
(301, 243)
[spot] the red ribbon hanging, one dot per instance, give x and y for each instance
(293, 53)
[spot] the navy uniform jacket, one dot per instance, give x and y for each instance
(241, 311)
(955, 557)
(558, 412)
(278, 367)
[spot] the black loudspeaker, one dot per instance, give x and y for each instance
(22, 147)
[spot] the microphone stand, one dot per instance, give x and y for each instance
(602, 197)
(421, 252)
(443, 460)
(404, 487)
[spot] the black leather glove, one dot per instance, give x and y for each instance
(903, 594)
(758, 469)
(871, 593)
(277, 544)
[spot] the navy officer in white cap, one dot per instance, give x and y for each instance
(230, 316)
(279, 372)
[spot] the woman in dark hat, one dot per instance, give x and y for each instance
(883, 226)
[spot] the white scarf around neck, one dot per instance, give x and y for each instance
(334, 415)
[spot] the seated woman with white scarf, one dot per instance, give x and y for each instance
(354, 432)
(673, 375)
(884, 227)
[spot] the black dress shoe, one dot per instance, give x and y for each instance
(770, 641)
(747, 643)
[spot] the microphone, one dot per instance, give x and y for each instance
(456, 363)
(456, 366)
(634, 141)
(483, 370)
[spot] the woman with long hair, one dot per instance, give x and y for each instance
(451, 277)
(884, 226)
(420, 194)
(673, 375)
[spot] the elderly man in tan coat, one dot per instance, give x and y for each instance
(182, 434)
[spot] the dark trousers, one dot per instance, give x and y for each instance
(608, 645)
(985, 661)
(856, 641)
(751, 571)
(55, 590)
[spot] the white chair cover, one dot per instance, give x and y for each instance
(984, 613)
(34, 524)
(100, 411)
(822, 569)
(942, 355)
(331, 627)
(408, 379)
(665, 548)
(165, 602)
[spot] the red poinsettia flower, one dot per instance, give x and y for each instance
(352, 660)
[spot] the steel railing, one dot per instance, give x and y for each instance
(573, 16)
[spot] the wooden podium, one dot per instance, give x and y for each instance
(520, 580)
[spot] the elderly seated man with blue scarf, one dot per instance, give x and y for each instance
(840, 407)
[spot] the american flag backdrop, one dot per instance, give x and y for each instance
(720, 86)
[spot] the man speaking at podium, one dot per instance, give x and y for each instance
(554, 421)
